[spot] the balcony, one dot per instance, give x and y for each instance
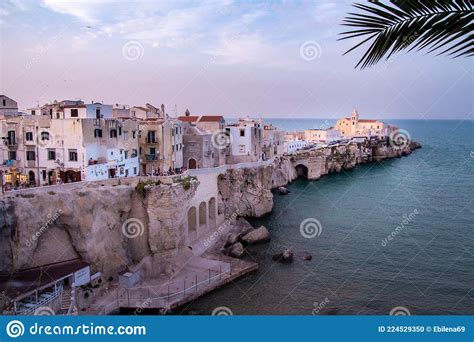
(151, 157)
(151, 140)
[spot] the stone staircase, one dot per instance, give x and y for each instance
(66, 300)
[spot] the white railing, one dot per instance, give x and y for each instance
(37, 304)
(163, 296)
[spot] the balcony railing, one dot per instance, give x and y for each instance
(151, 140)
(151, 157)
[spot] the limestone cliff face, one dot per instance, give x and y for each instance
(283, 172)
(110, 227)
(247, 191)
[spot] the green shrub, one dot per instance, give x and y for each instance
(140, 188)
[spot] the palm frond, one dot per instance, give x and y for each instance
(444, 26)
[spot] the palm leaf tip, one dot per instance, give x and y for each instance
(434, 25)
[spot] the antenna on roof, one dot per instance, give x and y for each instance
(175, 110)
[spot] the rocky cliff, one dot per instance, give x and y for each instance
(114, 226)
(246, 191)
(111, 227)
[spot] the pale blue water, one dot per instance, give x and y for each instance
(427, 268)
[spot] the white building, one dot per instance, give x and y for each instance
(325, 136)
(8, 106)
(294, 145)
(246, 141)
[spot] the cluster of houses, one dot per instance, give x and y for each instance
(348, 128)
(68, 141)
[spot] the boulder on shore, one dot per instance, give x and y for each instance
(259, 235)
(283, 191)
(307, 256)
(232, 238)
(236, 250)
(285, 256)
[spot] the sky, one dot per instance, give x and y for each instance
(279, 59)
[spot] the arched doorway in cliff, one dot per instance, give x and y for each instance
(301, 170)
(212, 213)
(203, 214)
(192, 223)
(192, 163)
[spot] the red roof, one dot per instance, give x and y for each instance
(212, 118)
(367, 120)
(188, 118)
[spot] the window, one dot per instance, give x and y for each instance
(72, 155)
(126, 154)
(44, 136)
(151, 137)
(134, 153)
(29, 136)
(97, 113)
(135, 170)
(125, 136)
(120, 130)
(12, 155)
(33, 112)
(113, 133)
(242, 133)
(11, 138)
(58, 115)
(152, 150)
(74, 113)
(4, 103)
(97, 133)
(242, 148)
(30, 155)
(44, 174)
(51, 154)
(134, 134)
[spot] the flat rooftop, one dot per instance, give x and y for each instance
(25, 281)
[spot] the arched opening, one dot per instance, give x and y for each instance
(51, 177)
(192, 223)
(192, 163)
(202, 213)
(301, 170)
(212, 213)
(31, 178)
